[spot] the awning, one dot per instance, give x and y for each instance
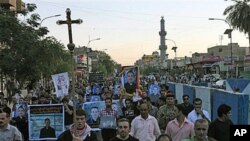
(207, 66)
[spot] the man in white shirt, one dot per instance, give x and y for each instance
(7, 131)
(198, 112)
(145, 127)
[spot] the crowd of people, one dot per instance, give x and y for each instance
(147, 118)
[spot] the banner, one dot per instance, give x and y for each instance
(46, 122)
(61, 84)
(96, 77)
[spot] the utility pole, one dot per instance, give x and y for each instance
(71, 47)
(229, 32)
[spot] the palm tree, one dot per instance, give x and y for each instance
(238, 15)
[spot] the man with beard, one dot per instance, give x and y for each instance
(79, 130)
(198, 112)
(123, 131)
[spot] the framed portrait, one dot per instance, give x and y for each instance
(130, 79)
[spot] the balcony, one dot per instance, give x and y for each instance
(10, 3)
(13, 5)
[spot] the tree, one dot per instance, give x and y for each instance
(238, 15)
(104, 63)
(25, 55)
(147, 70)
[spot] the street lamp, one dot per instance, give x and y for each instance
(48, 18)
(92, 41)
(229, 33)
(89, 50)
(174, 48)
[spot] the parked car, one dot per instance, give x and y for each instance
(211, 77)
(220, 84)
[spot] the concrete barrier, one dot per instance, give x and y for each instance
(212, 98)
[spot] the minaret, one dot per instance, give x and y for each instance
(162, 46)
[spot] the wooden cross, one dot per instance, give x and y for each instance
(71, 47)
(69, 22)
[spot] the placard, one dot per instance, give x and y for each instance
(38, 116)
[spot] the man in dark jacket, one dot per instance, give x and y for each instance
(47, 131)
(79, 130)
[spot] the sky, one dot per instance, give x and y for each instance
(130, 28)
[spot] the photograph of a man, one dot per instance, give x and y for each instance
(47, 131)
(154, 89)
(97, 90)
(94, 119)
(154, 93)
(130, 82)
(21, 122)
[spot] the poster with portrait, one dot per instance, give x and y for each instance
(154, 92)
(61, 84)
(130, 79)
(107, 122)
(154, 89)
(97, 89)
(93, 113)
(82, 59)
(46, 122)
(95, 98)
(20, 109)
(116, 105)
(116, 89)
(93, 110)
